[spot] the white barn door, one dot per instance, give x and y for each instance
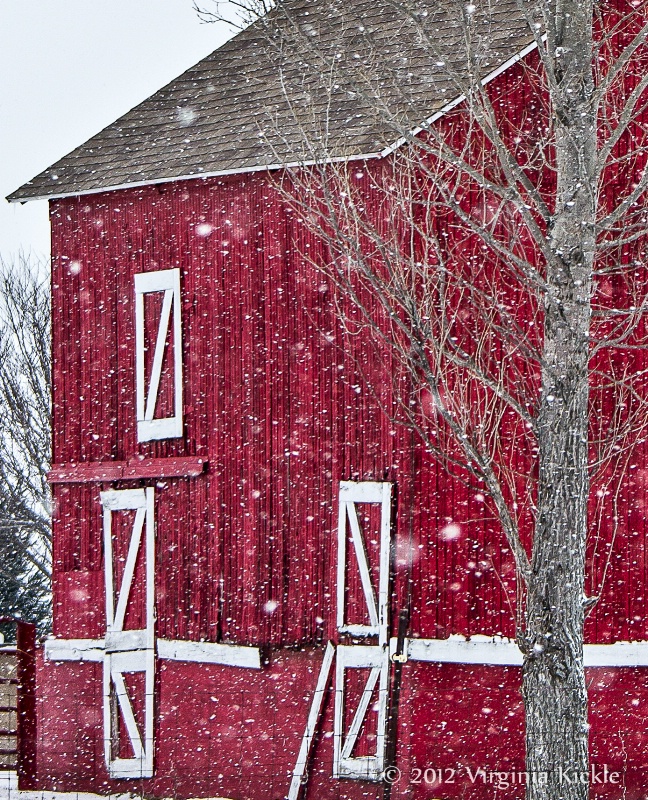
(129, 659)
(362, 670)
(158, 354)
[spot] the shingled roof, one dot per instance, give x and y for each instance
(339, 78)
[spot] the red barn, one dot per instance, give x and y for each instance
(239, 524)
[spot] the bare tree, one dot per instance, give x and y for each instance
(25, 441)
(237, 13)
(498, 256)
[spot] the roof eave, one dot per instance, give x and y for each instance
(16, 198)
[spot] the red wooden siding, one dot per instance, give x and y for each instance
(276, 405)
(273, 401)
(221, 734)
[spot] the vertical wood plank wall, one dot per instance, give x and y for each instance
(275, 402)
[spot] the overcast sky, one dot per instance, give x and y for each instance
(68, 68)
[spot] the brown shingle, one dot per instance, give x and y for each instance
(337, 79)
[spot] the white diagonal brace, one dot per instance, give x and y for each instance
(360, 714)
(311, 723)
(363, 563)
(127, 712)
(117, 623)
(160, 344)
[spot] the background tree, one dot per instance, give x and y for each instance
(237, 13)
(498, 255)
(25, 442)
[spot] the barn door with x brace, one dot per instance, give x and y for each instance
(129, 659)
(158, 355)
(362, 670)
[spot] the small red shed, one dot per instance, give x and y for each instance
(239, 524)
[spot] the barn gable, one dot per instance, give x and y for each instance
(260, 100)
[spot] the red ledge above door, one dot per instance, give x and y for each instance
(134, 468)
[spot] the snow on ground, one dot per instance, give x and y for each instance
(9, 791)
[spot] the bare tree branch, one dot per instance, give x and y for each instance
(25, 439)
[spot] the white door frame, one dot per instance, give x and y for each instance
(129, 651)
(371, 657)
(149, 427)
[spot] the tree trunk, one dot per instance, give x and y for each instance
(554, 690)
